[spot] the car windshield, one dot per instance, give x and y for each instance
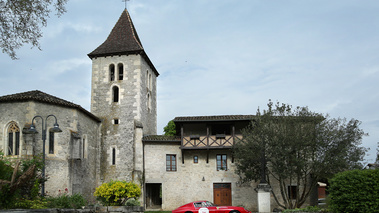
(210, 204)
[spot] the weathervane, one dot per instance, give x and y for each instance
(125, 2)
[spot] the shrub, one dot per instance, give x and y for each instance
(65, 201)
(29, 204)
(116, 193)
(132, 202)
(355, 191)
(27, 181)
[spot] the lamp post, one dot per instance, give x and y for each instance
(33, 130)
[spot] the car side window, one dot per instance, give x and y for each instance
(197, 205)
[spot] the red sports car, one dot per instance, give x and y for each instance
(208, 207)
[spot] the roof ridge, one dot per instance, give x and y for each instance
(134, 32)
(39, 96)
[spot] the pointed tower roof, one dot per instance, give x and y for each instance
(123, 40)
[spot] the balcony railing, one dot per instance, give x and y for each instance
(212, 141)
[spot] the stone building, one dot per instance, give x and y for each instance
(118, 139)
(71, 156)
(197, 164)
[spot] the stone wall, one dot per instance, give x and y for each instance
(192, 181)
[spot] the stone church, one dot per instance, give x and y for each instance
(117, 139)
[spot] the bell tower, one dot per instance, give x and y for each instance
(123, 95)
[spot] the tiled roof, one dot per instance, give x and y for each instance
(161, 138)
(123, 40)
(42, 97)
(214, 118)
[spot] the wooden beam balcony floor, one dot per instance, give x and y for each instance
(209, 142)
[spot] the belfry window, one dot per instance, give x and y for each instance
(115, 92)
(111, 72)
(13, 139)
(120, 72)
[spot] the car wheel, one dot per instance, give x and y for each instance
(188, 212)
(235, 211)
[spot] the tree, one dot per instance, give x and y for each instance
(377, 154)
(21, 22)
(170, 128)
(300, 147)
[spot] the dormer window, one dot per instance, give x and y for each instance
(111, 72)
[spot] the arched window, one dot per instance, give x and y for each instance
(13, 139)
(150, 82)
(111, 72)
(147, 78)
(115, 92)
(51, 142)
(120, 71)
(148, 102)
(84, 146)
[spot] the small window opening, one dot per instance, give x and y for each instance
(115, 121)
(195, 159)
(113, 156)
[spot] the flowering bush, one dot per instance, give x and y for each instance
(116, 193)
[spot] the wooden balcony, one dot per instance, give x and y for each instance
(209, 142)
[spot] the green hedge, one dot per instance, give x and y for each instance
(355, 191)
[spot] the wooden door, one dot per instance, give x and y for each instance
(222, 194)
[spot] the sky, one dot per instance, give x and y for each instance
(221, 57)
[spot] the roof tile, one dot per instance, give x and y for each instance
(42, 97)
(214, 118)
(161, 138)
